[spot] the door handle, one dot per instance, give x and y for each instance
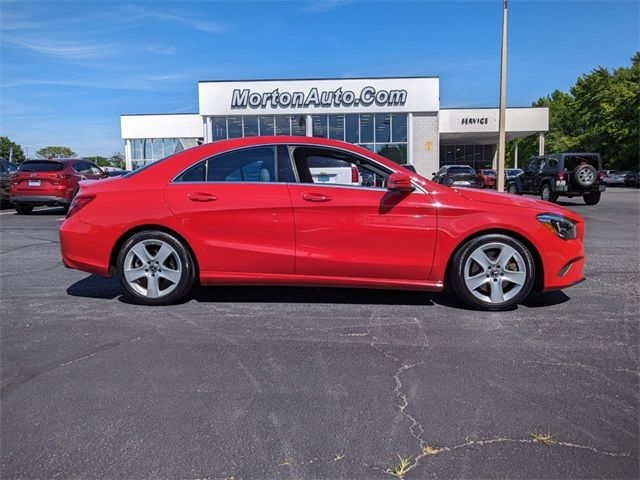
(315, 197)
(201, 197)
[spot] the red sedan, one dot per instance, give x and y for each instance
(249, 212)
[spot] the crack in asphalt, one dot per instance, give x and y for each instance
(29, 375)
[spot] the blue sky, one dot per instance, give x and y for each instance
(69, 69)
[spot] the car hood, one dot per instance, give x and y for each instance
(506, 199)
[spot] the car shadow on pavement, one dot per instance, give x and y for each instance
(104, 288)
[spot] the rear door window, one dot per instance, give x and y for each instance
(41, 166)
(571, 162)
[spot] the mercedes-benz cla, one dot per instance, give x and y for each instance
(249, 212)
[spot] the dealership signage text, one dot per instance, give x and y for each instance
(368, 96)
(475, 121)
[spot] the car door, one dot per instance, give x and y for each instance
(359, 231)
(5, 180)
(531, 172)
(237, 207)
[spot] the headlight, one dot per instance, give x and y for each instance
(561, 226)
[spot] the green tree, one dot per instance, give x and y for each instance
(6, 146)
(56, 152)
(117, 160)
(601, 113)
(99, 160)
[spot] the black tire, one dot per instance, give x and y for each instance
(23, 209)
(513, 189)
(591, 198)
(585, 175)
(186, 265)
(547, 194)
(456, 274)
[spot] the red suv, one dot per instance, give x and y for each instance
(486, 177)
(50, 182)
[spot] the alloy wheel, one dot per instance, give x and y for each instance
(152, 268)
(495, 273)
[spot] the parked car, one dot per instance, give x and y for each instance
(116, 173)
(512, 179)
(486, 178)
(50, 182)
(197, 216)
(564, 174)
(457, 176)
(333, 170)
(6, 170)
(613, 178)
(632, 179)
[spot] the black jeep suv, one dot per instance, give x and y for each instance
(564, 174)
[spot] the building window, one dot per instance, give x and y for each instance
(319, 123)
(476, 156)
(383, 133)
(234, 127)
(219, 125)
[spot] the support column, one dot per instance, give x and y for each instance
(515, 154)
(410, 138)
(494, 163)
(208, 130)
(128, 164)
(541, 143)
(309, 125)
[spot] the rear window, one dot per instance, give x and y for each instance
(454, 170)
(488, 172)
(41, 166)
(573, 161)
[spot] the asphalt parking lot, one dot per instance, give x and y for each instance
(318, 383)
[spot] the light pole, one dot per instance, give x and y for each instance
(503, 100)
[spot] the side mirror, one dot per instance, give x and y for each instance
(433, 173)
(399, 182)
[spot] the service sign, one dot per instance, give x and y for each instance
(319, 96)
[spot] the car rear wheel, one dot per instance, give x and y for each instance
(155, 268)
(591, 198)
(493, 272)
(513, 189)
(23, 209)
(547, 194)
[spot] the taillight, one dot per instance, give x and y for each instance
(354, 175)
(561, 175)
(600, 175)
(79, 202)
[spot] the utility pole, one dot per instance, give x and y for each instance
(503, 100)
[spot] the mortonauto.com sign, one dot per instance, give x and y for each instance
(319, 96)
(314, 98)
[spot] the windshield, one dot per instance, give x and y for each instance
(41, 166)
(455, 170)
(488, 172)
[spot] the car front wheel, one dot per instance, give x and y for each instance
(493, 272)
(155, 268)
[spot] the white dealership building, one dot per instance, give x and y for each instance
(399, 118)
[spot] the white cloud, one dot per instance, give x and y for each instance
(323, 6)
(144, 83)
(161, 50)
(65, 49)
(186, 19)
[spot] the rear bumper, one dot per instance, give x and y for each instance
(38, 200)
(86, 247)
(566, 190)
